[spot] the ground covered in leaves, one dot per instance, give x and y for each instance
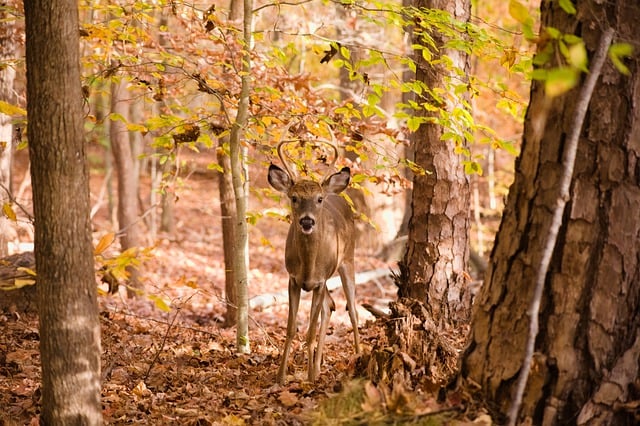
(179, 366)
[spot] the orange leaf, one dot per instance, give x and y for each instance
(104, 242)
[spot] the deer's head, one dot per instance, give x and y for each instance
(307, 197)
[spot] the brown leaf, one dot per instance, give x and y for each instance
(288, 399)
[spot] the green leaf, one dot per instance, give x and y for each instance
(344, 51)
(567, 6)
(572, 38)
(617, 52)
(560, 80)
(578, 56)
(554, 33)
(413, 123)
(472, 167)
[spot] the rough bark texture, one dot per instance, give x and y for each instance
(128, 219)
(587, 349)
(436, 259)
(67, 291)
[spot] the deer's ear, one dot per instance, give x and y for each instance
(279, 179)
(337, 182)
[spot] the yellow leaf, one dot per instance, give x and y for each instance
(8, 109)
(519, 12)
(104, 242)
(22, 282)
(27, 270)
(8, 212)
(159, 302)
(578, 56)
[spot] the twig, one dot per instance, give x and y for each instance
(13, 200)
(569, 159)
(161, 348)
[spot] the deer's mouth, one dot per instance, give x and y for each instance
(307, 223)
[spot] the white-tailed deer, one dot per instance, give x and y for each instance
(321, 242)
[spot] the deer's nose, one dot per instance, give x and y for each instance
(307, 223)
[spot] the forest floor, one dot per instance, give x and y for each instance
(180, 366)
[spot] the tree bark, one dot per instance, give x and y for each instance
(228, 213)
(128, 207)
(588, 344)
(241, 189)
(434, 266)
(67, 291)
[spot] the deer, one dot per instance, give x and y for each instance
(320, 242)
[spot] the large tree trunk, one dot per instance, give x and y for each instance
(8, 42)
(434, 266)
(67, 291)
(587, 350)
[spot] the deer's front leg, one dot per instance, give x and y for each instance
(328, 306)
(294, 302)
(316, 305)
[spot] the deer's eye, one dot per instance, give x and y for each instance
(319, 200)
(294, 199)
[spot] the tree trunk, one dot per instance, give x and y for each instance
(128, 219)
(434, 266)
(228, 213)
(67, 291)
(241, 189)
(7, 76)
(228, 208)
(585, 364)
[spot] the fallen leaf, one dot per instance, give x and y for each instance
(288, 399)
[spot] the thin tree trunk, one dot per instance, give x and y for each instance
(228, 209)
(67, 291)
(241, 189)
(229, 214)
(128, 219)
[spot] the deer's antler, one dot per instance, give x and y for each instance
(282, 143)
